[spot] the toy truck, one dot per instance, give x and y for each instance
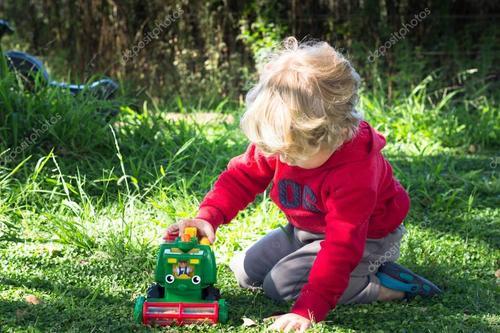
(183, 292)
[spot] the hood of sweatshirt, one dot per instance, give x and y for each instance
(365, 143)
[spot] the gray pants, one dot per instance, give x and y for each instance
(280, 262)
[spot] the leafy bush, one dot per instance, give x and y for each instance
(448, 117)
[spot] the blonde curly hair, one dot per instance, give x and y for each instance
(305, 101)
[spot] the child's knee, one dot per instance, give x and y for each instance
(270, 289)
(237, 265)
(279, 287)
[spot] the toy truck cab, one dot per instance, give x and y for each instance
(184, 290)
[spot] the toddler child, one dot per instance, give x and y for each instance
(344, 207)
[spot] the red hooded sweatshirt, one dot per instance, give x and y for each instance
(351, 197)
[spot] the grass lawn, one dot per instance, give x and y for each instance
(81, 212)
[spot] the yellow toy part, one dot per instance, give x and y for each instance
(191, 231)
(204, 241)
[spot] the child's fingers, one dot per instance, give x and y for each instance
(208, 230)
(290, 327)
(274, 316)
(204, 228)
(173, 228)
(278, 325)
(183, 224)
(304, 327)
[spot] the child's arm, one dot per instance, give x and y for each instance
(350, 204)
(246, 176)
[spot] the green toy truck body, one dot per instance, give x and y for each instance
(184, 291)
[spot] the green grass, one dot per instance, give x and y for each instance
(82, 209)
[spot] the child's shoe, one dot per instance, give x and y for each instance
(397, 277)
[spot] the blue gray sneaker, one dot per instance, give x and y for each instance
(394, 276)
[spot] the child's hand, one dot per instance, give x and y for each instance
(291, 322)
(204, 228)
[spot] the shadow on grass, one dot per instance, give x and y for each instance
(63, 314)
(466, 303)
(463, 307)
(71, 297)
(452, 195)
(66, 290)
